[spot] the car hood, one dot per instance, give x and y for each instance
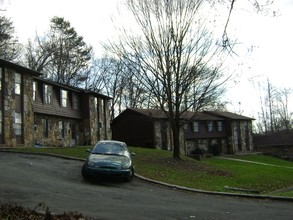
(109, 160)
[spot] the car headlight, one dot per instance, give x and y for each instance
(91, 164)
(125, 165)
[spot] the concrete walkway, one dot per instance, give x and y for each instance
(254, 162)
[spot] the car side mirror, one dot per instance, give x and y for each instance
(88, 150)
(132, 154)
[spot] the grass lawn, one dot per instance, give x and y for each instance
(212, 174)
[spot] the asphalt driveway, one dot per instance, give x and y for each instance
(30, 179)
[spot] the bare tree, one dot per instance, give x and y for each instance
(176, 56)
(275, 115)
(114, 78)
(284, 121)
(260, 6)
(9, 45)
(61, 54)
(106, 76)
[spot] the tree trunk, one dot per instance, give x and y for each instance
(176, 142)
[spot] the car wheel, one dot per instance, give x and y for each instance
(84, 172)
(129, 177)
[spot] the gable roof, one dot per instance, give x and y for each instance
(72, 88)
(229, 115)
(153, 113)
(36, 75)
(19, 68)
(200, 116)
(203, 116)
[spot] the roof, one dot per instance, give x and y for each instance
(154, 113)
(19, 68)
(229, 115)
(203, 116)
(200, 116)
(37, 75)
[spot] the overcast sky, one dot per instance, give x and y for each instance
(270, 39)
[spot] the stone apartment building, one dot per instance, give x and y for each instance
(230, 133)
(35, 111)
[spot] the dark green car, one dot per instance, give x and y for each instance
(109, 158)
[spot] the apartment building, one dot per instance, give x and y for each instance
(39, 112)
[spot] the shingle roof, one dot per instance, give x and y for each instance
(37, 75)
(228, 115)
(200, 116)
(154, 113)
(19, 68)
(205, 115)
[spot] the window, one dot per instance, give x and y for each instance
(210, 126)
(195, 126)
(61, 129)
(34, 90)
(17, 87)
(75, 101)
(45, 127)
(17, 124)
(220, 126)
(64, 98)
(96, 103)
(48, 94)
(246, 125)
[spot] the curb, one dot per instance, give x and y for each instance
(251, 196)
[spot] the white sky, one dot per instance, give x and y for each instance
(271, 56)
(271, 38)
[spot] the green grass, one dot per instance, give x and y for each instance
(264, 178)
(208, 174)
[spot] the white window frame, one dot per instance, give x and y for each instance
(34, 90)
(48, 90)
(17, 123)
(210, 126)
(195, 126)
(17, 84)
(220, 125)
(64, 98)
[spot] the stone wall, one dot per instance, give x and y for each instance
(8, 109)
(162, 127)
(99, 121)
(241, 139)
(54, 138)
(28, 113)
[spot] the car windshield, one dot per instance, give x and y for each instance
(110, 148)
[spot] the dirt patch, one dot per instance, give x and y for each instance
(187, 165)
(219, 173)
